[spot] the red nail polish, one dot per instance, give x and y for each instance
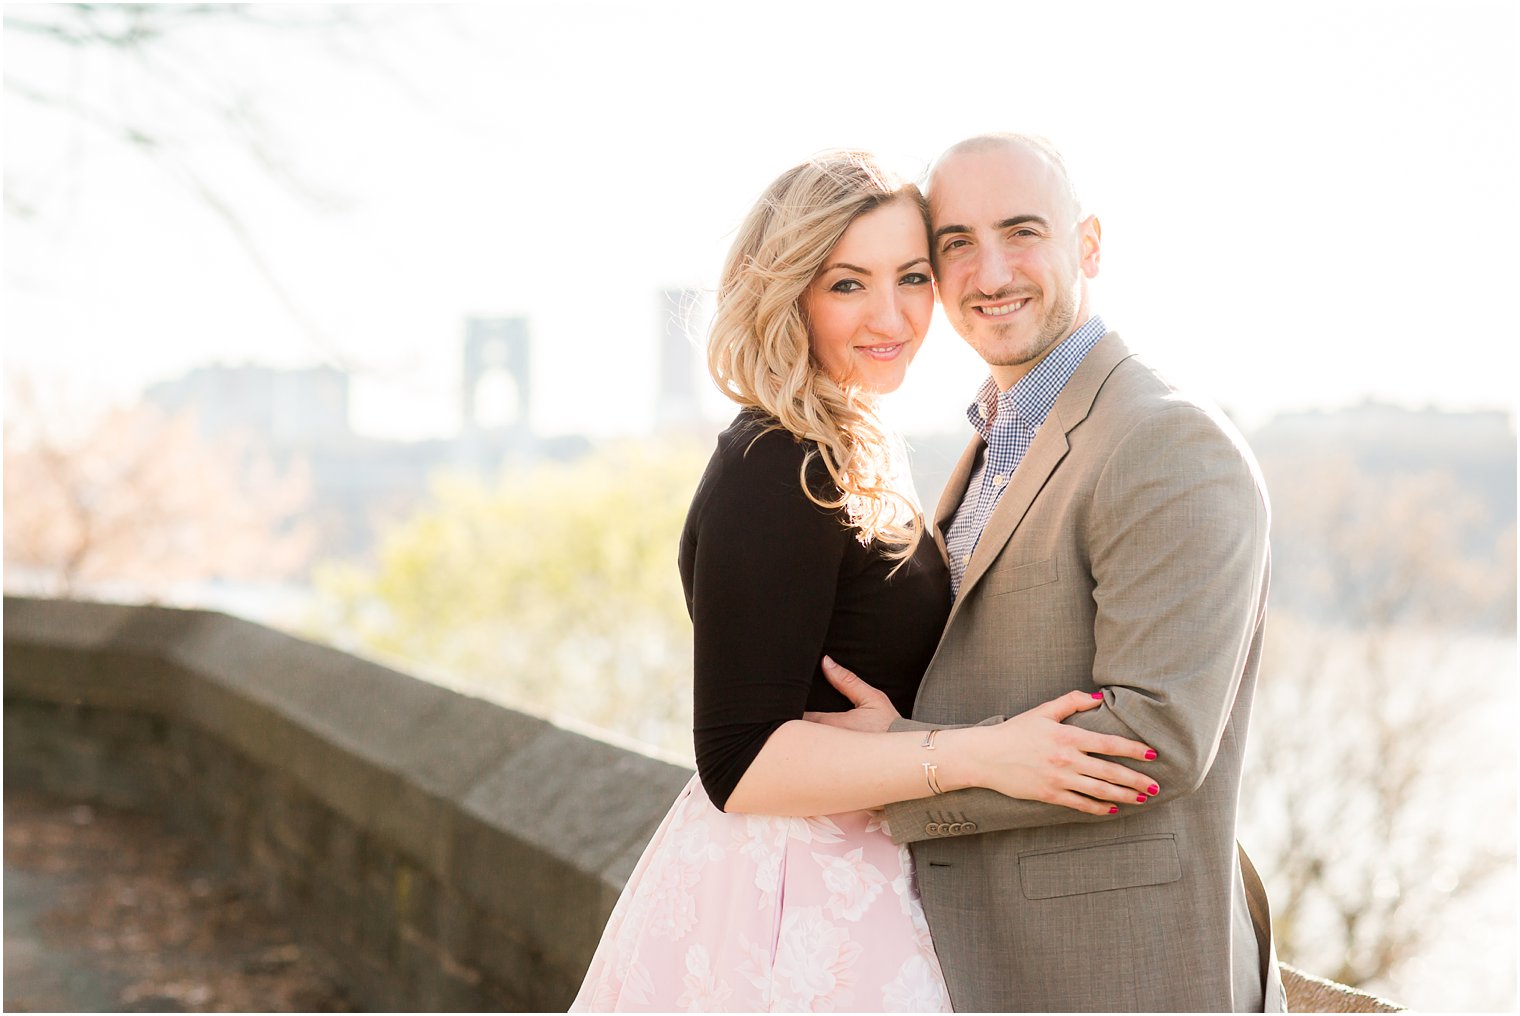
(1141, 799)
(1097, 694)
(1153, 790)
(1150, 756)
(1114, 810)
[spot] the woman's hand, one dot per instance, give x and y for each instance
(1036, 757)
(1033, 756)
(873, 712)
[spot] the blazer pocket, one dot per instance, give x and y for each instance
(1114, 864)
(1024, 576)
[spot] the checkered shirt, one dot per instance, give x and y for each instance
(1007, 422)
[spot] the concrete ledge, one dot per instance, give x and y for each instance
(451, 854)
(1307, 993)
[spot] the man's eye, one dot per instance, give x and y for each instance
(1025, 232)
(915, 279)
(845, 286)
(952, 244)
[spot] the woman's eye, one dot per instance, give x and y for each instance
(845, 286)
(915, 279)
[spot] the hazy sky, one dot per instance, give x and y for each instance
(1302, 204)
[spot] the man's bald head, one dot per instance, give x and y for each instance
(1031, 144)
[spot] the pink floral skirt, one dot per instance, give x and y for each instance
(754, 913)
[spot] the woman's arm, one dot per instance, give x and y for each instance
(760, 564)
(808, 768)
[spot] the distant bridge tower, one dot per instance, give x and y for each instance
(498, 393)
(680, 326)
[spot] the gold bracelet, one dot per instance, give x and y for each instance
(931, 771)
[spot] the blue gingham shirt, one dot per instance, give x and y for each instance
(1007, 421)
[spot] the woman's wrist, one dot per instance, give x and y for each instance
(953, 758)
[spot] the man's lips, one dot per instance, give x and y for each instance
(1001, 309)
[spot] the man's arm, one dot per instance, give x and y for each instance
(1177, 537)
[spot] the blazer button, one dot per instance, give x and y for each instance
(970, 827)
(933, 829)
(956, 828)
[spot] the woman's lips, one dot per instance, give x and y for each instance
(886, 351)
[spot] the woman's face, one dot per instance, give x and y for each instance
(868, 309)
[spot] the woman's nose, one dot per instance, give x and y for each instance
(886, 314)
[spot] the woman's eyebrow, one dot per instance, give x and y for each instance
(866, 271)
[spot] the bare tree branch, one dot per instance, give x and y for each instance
(147, 39)
(1352, 776)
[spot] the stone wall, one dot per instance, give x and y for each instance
(450, 854)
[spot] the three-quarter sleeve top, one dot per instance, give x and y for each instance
(773, 583)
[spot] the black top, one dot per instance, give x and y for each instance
(773, 582)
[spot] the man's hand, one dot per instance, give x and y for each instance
(873, 712)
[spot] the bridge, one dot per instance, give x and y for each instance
(448, 853)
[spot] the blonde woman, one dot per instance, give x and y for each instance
(771, 884)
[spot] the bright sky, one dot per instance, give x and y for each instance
(1303, 204)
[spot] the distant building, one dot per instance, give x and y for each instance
(308, 406)
(1477, 449)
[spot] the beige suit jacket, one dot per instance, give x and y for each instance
(1128, 555)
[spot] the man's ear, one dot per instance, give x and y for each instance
(1090, 237)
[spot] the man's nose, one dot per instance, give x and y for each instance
(991, 271)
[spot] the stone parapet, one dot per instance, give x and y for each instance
(450, 853)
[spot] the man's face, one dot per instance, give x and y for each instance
(1010, 257)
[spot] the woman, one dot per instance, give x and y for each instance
(771, 885)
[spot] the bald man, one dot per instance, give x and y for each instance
(1106, 531)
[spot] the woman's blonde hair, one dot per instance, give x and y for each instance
(758, 350)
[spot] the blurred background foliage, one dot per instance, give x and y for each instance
(131, 502)
(553, 588)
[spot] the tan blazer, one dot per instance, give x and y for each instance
(1128, 554)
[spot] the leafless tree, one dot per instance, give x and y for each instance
(1372, 793)
(133, 502)
(153, 79)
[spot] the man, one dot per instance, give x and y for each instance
(1102, 531)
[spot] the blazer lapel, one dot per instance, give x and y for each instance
(955, 491)
(1045, 453)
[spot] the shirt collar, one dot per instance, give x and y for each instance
(1032, 396)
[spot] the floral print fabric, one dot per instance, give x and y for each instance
(755, 913)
